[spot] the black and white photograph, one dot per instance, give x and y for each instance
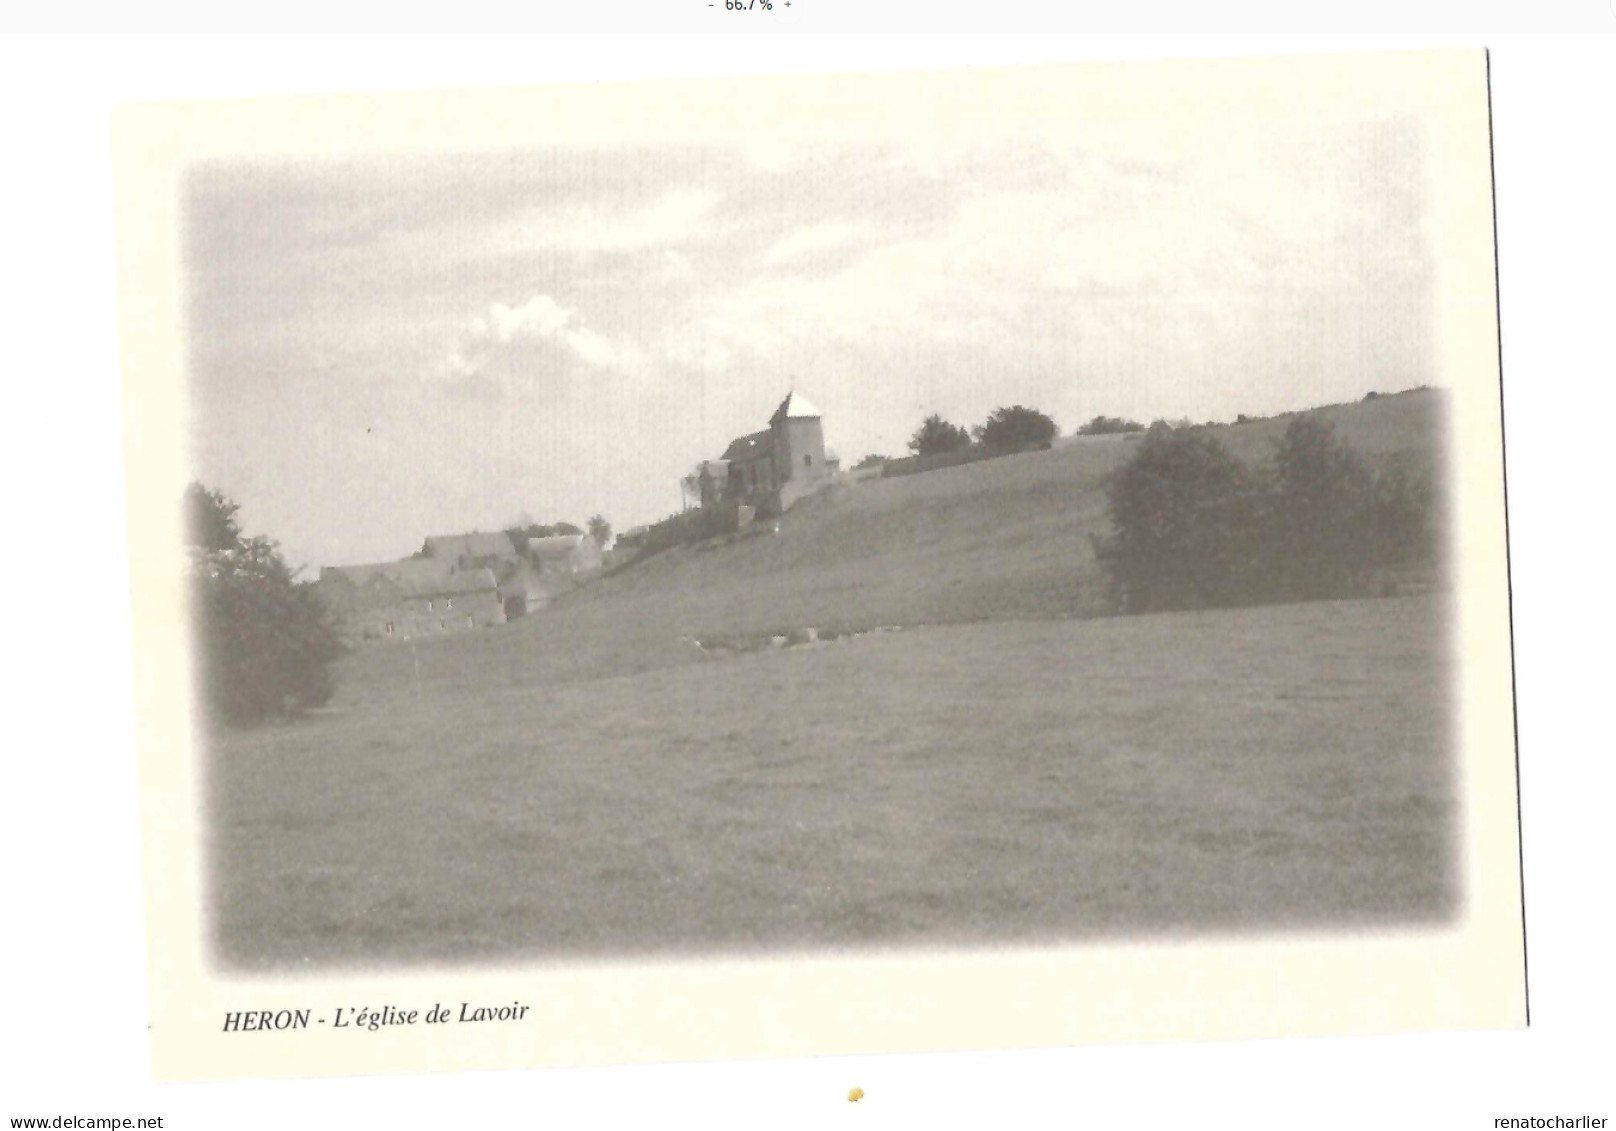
(1048, 511)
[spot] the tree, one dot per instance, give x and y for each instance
(1322, 514)
(936, 435)
(1186, 521)
(265, 642)
(1109, 426)
(871, 460)
(1016, 427)
(600, 530)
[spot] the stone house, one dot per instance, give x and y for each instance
(409, 599)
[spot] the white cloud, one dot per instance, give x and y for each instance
(539, 317)
(540, 324)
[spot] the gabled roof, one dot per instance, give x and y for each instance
(410, 570)
(452, 547)
(750, 447)
(466, 581)
(794, 407)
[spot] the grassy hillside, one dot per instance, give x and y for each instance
(1004, 539)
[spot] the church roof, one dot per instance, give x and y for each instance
(794, 407)
(754, 446)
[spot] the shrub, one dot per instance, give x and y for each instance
(265, 642)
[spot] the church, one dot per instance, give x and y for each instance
(771, 469)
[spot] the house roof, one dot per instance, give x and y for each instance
(466, 581)
(473, 545)
(794, 407)
(755, 446)
(555, 546)
(411, 570)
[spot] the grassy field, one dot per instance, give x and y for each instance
(541, 794)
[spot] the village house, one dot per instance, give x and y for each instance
(408, 599)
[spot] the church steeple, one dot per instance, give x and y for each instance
(794, 407)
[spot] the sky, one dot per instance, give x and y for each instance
(383, 349)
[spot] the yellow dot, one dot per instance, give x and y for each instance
(855, 1095)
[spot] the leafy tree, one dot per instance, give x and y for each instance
(1109, 426)
(1321, 519)
(1016, 427)
(1186, 519)
(871, 460)
(600, 530)
(265, 642)
(936, 435)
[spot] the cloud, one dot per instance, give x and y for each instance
(1032, 245)
(536, 337)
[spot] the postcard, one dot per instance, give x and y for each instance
(967, 559)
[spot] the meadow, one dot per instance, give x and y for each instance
(1278, 768)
